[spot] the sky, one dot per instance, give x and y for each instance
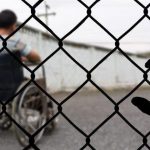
(116, 15)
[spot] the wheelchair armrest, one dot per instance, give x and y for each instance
(30, 64)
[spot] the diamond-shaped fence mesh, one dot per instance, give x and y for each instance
(60, 47)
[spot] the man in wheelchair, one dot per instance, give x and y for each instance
(11, 74)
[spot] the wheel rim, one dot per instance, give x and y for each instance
(31, 113)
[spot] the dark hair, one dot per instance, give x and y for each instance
(7, 18)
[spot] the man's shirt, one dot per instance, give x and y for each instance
(17, 44)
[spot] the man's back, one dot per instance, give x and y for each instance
(11, 74)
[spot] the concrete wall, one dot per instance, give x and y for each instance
(63, 74)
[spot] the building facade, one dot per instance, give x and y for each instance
(64, 75)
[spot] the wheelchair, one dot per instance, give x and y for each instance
(30, 108)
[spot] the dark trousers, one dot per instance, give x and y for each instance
(5, 95)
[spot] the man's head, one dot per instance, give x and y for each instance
(8, 20)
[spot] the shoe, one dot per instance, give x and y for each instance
(5, 122)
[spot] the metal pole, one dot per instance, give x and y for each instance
(46, 14)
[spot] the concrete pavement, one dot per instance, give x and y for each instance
(88, 110)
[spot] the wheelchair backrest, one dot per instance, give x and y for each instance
(11, 71)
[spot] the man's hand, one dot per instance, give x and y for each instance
(33, 56)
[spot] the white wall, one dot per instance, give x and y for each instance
(63, 74)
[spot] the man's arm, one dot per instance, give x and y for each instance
(27, 53)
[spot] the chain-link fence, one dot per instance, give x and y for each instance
(88, 72)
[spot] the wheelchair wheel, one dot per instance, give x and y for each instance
(29, 110)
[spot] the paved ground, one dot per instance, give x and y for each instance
(87, 110)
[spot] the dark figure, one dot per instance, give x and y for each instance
(142, 103)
